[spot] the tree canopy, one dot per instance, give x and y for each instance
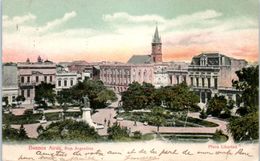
(44, 94)
(97, 93)
(12, 134)
(145, 96)
(69, 130)
(246, 126)
(248, 83)
(138, 96)
(178, 97)
(216, 105)
(158, 117)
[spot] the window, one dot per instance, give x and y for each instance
(37, 79)
(197, 81)
(59, 83)
(22, 79)
(71, 82)
(28, 79)
(177, 78)
(209, 83)
(45, 78)
(22, 92)
(13, 98)
(65, 83)
(191, 81)
(215, 83)
(202, 82)
(184, 79)
(28, 92)
(50, 78)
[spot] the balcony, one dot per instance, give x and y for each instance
(203, 68)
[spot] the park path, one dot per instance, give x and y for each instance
(99, 118)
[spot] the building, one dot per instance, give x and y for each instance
(212, 73)
(31, 74)
(178, 73)
(10, 82)
(119, 76)
(65, 80)
(161, 75)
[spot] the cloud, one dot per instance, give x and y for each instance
(125, 17)
(17, 20)
(57, 22)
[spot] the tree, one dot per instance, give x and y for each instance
(244, 128)
(138, 96)
(19, 99)
(22, 133)
(69, 130)
(248, 83)
(178, 97)
(64, 97)
(97, 93)
(9, 133)
(157, 117)
(216, 105)
(44, 94)
(115, 132)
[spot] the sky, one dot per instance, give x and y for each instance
(114, 30)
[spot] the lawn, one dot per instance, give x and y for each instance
(178, 122)
(34, 118)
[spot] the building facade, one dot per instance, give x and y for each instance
(178, 73)
(10, 83)
(212, 73)
(65, 80)
(161, 75)
(119, 76)
(31, 74)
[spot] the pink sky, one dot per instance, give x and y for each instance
(180, 40)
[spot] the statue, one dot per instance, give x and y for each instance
(86, 102)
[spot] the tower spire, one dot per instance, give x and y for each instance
(156, 37)
(156, 47)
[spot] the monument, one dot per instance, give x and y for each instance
(86, 116)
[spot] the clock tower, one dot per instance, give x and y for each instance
(156, 47)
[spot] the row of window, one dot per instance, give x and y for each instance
(203, 82)
(65, 83)
(28, 94)
(28, 79)
(178, 79)
(121, 76)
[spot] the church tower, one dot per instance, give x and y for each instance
(156, 48)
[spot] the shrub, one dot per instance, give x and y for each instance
(137, 135)
(203, 114)
(219, 136)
